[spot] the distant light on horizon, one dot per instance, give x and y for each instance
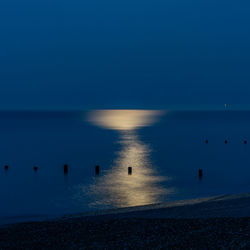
(124, 119)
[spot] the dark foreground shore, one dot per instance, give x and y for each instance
(196, 224)
(130, 233)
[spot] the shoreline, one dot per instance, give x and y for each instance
(229, 205)
(236, 205)
(214, 222)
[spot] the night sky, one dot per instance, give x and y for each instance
(123, 53)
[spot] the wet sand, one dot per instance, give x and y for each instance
(208, 223)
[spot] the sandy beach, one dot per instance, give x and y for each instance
(214, 222)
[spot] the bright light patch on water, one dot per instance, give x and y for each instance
(124, 119)
(116, 187)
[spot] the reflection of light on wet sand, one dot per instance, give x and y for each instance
(116, 188)
(123, 119)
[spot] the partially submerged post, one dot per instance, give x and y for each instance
(35, 168)
(245, 141)
(65, 168)
(206, 141)
(129, 170)
(97, 170)
(200, 173)
(6, 167)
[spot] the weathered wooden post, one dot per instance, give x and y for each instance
(65, 169)
(97, 169)
(129, 170)
(200, 173)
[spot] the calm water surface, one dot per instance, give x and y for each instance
(164, 148)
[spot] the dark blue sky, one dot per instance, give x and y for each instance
(87, 53)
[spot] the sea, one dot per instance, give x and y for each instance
(144, 157)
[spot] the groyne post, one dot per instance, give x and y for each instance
(129, 170)
(200, 173)
(65, 168)
(97, 170)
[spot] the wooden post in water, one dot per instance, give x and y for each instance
(97, 170)
(129, 170)
(35, 168)
(6, 167)
(65, 169)
(200, 174)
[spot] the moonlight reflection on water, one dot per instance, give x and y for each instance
(124, 119)
(116, 188)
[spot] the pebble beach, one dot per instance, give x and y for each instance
(221, 222)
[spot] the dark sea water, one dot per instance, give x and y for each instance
(164, 148)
